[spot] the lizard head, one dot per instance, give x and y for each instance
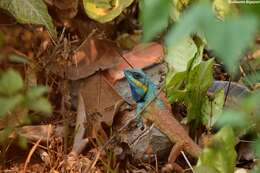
(138, 82)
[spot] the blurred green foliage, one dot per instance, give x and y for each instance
(18, 104)
(227, 29)
(154, 17)
(228, 39)
(220, 155)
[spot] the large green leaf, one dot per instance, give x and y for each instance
(8, 104)
(105, 10)
(30, 11)
(247, 114)
(154, 17)
(10, 82)
(256, 146)
(228, 39)
(199, 81)
(181, 59)
(179, 56)
(174, 86)
(191, 21)
(220, 155)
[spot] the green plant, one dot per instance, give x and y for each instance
(19, 105)
(220, 154)
(189, 77)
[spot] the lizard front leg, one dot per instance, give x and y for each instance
(138, 115)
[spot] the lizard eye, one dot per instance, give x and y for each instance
(137, 76)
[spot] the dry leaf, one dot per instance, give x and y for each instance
(94, 55)
(142, 56)
(100, 99)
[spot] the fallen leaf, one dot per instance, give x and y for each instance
(94, 55)
(142, 56)
(100, 99)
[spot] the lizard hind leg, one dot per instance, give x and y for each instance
(171, 165)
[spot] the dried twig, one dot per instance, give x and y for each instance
(79, 141)
(30, 155)
(228, 89)
(89, 36)
(186, 159)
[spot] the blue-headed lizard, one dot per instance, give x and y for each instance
(159, 112)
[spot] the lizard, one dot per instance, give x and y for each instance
(158, 111)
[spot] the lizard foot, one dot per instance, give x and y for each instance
(172, 167)
(175, 152)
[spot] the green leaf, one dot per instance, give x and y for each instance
(250, 103)
(181, 60)
(22, 142)
(174, 83)
(211, 110)
(256, 146)
(154, 17)
(30, 11)
(8, 104)
(36, 92)
(199, 80)
(191, 22)
(41, 105)
(220, 156)
(205, 169)
(241, 120)
(10, 82)
(228, 39)
(179, 56)
(105, 10)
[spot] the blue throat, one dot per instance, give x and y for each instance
(143, 90)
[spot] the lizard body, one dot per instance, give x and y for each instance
(143, 91)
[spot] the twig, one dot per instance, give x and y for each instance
(156, 163)
(66, 123)
(95, 161)
(30, 155)
(89, 36)
(80, 142)
(228, 89)
(188, 162)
